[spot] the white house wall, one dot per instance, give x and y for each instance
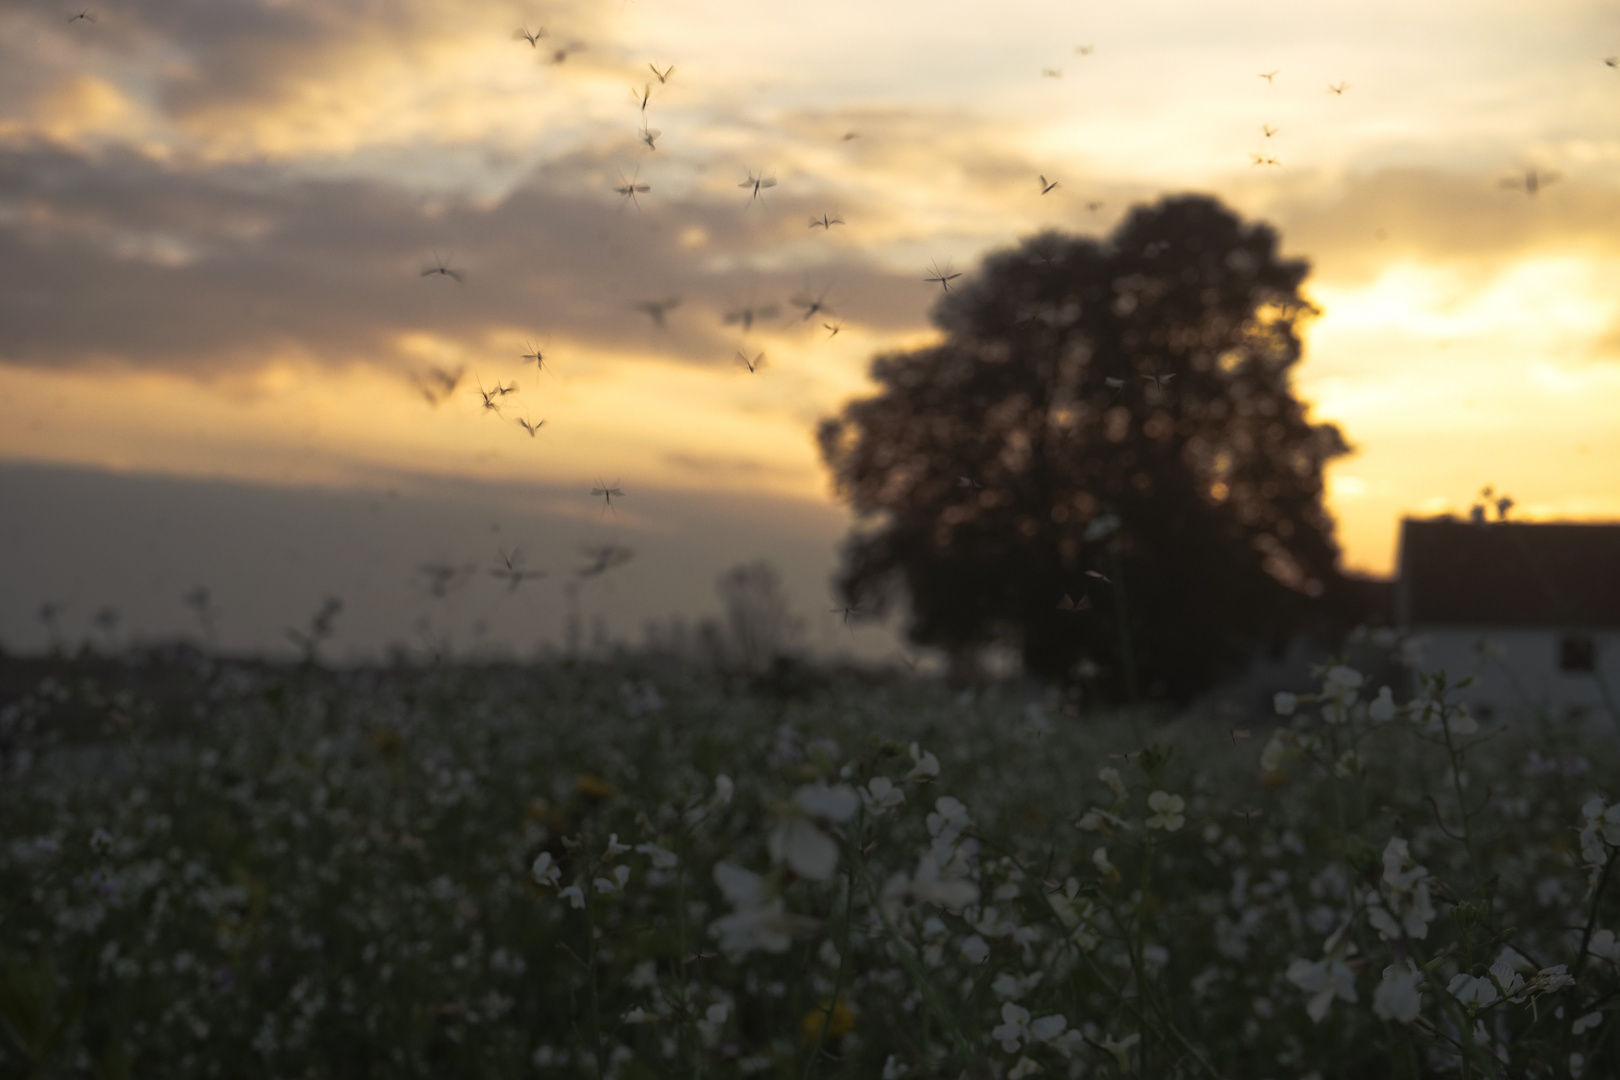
(1517, 671)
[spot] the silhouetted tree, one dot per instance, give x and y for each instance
(1118, 407)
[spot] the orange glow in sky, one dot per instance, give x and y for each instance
(214, 235)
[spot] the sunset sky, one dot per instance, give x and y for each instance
(214, 215)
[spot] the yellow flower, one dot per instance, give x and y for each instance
(594, 787)
(841, 1024)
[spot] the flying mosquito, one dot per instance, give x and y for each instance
(1047, 185)
(522, 34)
(438, 384)
(1267, 130)
(1532, 181)
(812, 305)
(606, 493)
(832, 329)
(560, 56)
(1069, 604)
(650, 136)
(632, 187)
(658, 310)
(757, 183)
(642, 96)
(663, 76)
(969, 483)
(87, 17)
(536, 355)
(944, 277)
(1099, 576)
(1270, 76)
(848, 135)
(441, 577)
(1051, 73)
(1159, 380)
(753, 365)
(442, 266)
(1338, 87)
(1084, 50)
(846, 612)
(1093, 207)
(1612, 61)
(825, 222)
(604, 557)
(532, 429)
(1262, 159)
(512, 571)
(490, 404)
(747, 315)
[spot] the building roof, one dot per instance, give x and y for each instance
(1508, 574)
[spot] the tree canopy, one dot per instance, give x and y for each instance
(1103, 462)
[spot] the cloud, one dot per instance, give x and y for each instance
(1355, 226)
(117, 258)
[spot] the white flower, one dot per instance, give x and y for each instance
(758, 923)
(614, 848)
(638, 1015)
(723, 790)
(714, 1020)
(1095, 820)
(1604, 946)
(948, 888)
(835, 804)
(1099, 859)
(1283, 746)
(574, 895)
(975, 951)
(1166, 811)
(1406, 893)
(1586, 1023)
(1063, 905)
(1013, 1029)
(947, 822)
(546, 871)
(1285, 703)
(924, 764)
(1121, 1050)
(882, 794)
(894, 1068)
(1549, 980)
(1048, 1028)
(1508, 981)
(1605, 818)
(1381, 710)
(807, 850)
(1110, 776)
(662, 859)
(1340, 677)
(1012, 987)
(1473, 992)
(1397, 997)
(1324, 980)
(1460, 722)
(620, 878)
(1021, 1068)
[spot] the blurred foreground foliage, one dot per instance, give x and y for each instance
(643, 867)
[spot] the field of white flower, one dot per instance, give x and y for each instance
(639, 868)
